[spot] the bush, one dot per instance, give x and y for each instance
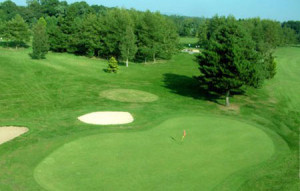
(112, 65)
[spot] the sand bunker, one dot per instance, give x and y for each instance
(107, 118)
(8, 133)
(128, 95)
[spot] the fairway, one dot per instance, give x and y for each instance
(157, 159)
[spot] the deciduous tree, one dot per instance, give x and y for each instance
(128, 46)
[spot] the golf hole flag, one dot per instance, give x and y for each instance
(184, 134)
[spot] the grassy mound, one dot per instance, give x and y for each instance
(128, 95)
(157, 159)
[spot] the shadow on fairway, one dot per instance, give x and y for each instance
(189, 87)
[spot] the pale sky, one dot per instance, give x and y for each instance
(280, 10)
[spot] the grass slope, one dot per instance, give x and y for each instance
(47, 96)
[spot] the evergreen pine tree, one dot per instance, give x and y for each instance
(112, 65)
(230, 60)
(40, 44)
(16, 31)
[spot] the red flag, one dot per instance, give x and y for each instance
(184, 133)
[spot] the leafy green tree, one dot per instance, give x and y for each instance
(40, 44)
(156, 36)
(2, 29)
(128, 45)
(8, 10)
(56, 38)
(114, 25)
(87, 38)
(16, 31)
(202, 34)
(112, 65)
(272, 33)
(230, 60)
(269, 65)
(49, 7)
(289, 36)
(295, 25)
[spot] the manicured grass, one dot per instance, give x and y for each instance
(157, 159)
(48, 95)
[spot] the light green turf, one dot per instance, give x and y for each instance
(213, 149)
(128, 95)
(286, 84)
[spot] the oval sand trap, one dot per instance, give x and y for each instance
(157, 159)
(128, 95)
(8, 133)
(107, 118)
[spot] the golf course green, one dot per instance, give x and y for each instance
(252, 146)
(146, 160)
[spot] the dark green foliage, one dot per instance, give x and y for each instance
(295, 25)
(187, 26)
(16, 31)
(87, 37)
(100, 31)
(289, 36)
(269, 65)
(57, 39)
(49, 7)
(113, 66)
(40, 44)
(114, 25)
(8, 10)
(156, 36)
(128, 46)
(230, 60)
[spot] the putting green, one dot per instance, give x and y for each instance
(128, 95)
(156, 159)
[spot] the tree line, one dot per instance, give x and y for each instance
(282, 33)
(125, 34)
(93, 30)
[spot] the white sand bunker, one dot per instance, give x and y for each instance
(8, 133)
(128, 95)
(107, 118)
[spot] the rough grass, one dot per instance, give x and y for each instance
(48, 95)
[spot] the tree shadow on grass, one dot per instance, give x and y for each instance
(13, 44)
(189, 87)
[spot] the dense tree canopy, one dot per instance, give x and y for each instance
(294, 25)
(16, 31)
(230, 60)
